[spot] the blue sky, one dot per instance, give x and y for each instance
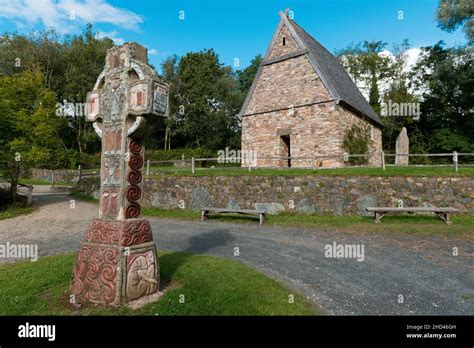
(234, 29)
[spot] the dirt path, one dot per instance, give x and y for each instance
(420, 270)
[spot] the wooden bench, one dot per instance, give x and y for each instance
(205, 212)
(443, 213)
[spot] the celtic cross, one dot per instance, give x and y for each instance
(117, 261)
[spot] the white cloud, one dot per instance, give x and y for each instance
(111, 35)
(152, 51)
(411, 55)
(67, 15)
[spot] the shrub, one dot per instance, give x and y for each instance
(176, 154)
(357, 142)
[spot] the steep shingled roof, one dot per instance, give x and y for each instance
(339, 84)
(335, 74)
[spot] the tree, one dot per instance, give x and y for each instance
(170, 76)
(451, 14)
(69, 64)
(366, 66)
(246, 76)
(357, 142)
(445, 78)
(84, 57)
(399, 91)
(205, 101)
(29, 126)
(40, 49)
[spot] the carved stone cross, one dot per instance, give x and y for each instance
(117, 261)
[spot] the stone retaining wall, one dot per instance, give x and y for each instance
(340, 195)
(66, 175)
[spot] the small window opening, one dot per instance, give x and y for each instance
(284, 41)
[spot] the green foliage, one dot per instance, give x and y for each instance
(28, 108)
(70, 66)
(205, 101)
(30, 129)
(364, 64)
(452, 14)
(246, 76)
(14, 212)
(441, 83)
(399, 92)
(356, 142)
(446, 79)
(447, 141)
(174, 154)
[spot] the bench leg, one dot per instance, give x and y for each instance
(204, 215)
(378, 217)
(445, 218)
(262, 219)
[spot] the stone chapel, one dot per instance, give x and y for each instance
(301, 104)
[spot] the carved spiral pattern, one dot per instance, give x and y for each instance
(136, 232)
(94, 274)
(133, 193)
(135, 147)
(135, 162)
(132, 211)
(134, 177)
(103, 231)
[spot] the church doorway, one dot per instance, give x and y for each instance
(285, 150)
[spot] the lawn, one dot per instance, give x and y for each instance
(421, 224)
(27, 181)
(210, 285)
(13, 212)
(390, 171)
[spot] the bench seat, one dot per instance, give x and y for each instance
(205, 212)
(442, 212)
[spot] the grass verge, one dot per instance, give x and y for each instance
(13, 212)
(406, 223)
(27, 181)
(210, 285)
(84, 197)
(390, 171)
(421, 224)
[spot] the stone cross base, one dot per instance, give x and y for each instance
(116, 263)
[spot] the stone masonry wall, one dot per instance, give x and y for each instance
(66, 175)
(312, 130)
(339, 195)
(315, 130)
(290, 44)
(291, 82)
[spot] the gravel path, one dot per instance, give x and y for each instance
(418, 271)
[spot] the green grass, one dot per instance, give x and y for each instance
(407, 223)
(28, 181)
(210, 285)
(421, 224)
(14, 212)
(84, 197)
(390, 171)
